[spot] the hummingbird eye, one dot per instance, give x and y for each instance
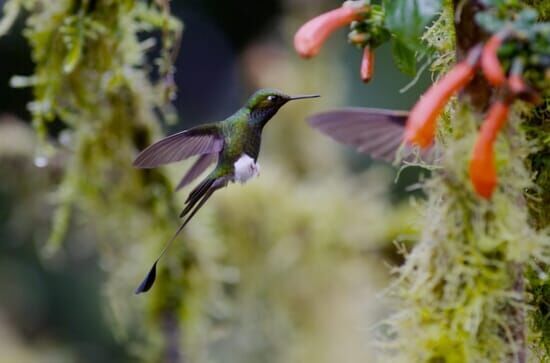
(272, 98)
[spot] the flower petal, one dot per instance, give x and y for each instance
(420, 128)
(483, 173)
(311, 36)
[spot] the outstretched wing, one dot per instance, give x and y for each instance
(203, 162)
(203, 139)
(375, 132)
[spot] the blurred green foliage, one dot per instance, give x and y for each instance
(289, 267)
(50, 310)
(271, 272)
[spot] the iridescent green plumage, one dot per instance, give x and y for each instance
(235, 144)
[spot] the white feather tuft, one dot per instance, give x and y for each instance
(245, 169)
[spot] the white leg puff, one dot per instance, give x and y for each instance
(246, 169)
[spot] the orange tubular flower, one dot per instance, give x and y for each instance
(420, 127)
(490, 64)
(483, 173)
(367, 64)
(311, 36)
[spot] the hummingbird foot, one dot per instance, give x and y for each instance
(245, 169)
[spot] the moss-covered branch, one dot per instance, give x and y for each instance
(92, 76)
(461, 290)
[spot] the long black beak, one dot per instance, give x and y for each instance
(301, 97)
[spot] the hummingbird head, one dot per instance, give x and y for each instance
(265, 103)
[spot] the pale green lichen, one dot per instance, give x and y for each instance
(91, 74)
(440, 36)
(537, 129)
(460, 292)
(458, 282)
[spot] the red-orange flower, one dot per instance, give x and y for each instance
(490, 65)
(483, 173)
(420, 127)
(311, 36)
(367, 64)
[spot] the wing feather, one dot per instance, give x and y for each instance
(375, 132)
(204, 139)
(202, 163)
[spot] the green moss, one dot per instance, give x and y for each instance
(542, 6)
(537, 129)
(91, 74)
(459, 295)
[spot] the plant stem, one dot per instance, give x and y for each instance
(468, 34)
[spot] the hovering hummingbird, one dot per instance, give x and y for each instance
(234, 143)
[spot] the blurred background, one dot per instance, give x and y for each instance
(293, 264)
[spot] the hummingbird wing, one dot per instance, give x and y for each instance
(203, 139)
(203, 162)
(375, 132)
(194, 202)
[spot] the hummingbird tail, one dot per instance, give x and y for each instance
(202, 193)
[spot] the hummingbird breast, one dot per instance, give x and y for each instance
(240, 152)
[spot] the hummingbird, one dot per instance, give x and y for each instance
(233, 144)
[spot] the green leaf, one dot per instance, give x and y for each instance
(404, 57)
(407, 19)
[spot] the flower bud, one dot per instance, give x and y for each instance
(490, 64)
(420, 127)
(483, 173)
(310, 37)
(367, 64)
